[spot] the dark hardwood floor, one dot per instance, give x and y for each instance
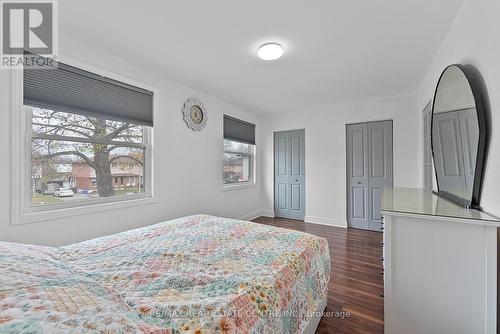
(355, 282)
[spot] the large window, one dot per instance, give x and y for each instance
(77, 157)
(87, 141)
(239, 152)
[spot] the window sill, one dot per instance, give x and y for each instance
(43, 214)
(230, 187)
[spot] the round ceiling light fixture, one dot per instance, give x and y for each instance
(270, 51)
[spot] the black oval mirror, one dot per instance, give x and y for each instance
(459, 135)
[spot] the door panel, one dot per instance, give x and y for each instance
(359, 147)
(295, 198)
(282, 196)
(295, 147)
(281, 174)
(357, 165)
(358, 202)
(376, 196)
(281, 161)
(290, 174)
(448, 152)
(380, 166)
(378, 154)
(369, 166)
(469, 130)
(428, 167)
(297, 174)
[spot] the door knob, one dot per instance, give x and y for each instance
(359, 182)
(297, 180)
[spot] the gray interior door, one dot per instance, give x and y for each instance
(428, 167)
(289, 174)
(448, 153)
(379, 169)
(369, 171)
(469, 132)
(357, 169)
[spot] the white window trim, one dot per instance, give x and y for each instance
(236, 186)
(22, 212)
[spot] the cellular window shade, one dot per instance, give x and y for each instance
(238, 130)
(69, 89)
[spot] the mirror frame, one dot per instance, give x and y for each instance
(476, 84)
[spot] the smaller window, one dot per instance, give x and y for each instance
(239, 152)
(238, 162)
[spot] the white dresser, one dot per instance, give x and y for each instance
(440, 265)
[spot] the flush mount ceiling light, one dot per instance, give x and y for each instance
(270, 51)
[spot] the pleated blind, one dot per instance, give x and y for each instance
(70, 89)
(238, 130)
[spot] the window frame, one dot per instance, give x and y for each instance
(253, 165)
(22, 210)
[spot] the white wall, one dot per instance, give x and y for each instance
(187, 165)
(326, 151)
(474, 38)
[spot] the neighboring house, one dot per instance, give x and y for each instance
(82, 176)
(49, 177)
(125, 172)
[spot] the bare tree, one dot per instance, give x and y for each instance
(107, 141)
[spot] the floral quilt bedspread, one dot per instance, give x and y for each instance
(39, 294)
(197, 274)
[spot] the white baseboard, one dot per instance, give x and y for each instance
(257, 214)
(308, 219)
(250, 216)
(325, 221)
(269, 214)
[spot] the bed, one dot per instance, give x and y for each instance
(198, 274)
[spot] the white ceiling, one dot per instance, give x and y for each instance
(335, 51)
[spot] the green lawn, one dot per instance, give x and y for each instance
(42, 199)
(45, 199)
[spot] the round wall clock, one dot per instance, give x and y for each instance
(194, 114)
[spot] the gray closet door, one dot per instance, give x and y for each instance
(448, 151)
(379, 169)
(428, 168)
(289, 174)
(369, 171)
(357, 169)
(469, 131)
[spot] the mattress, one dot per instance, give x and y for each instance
(197, 274)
